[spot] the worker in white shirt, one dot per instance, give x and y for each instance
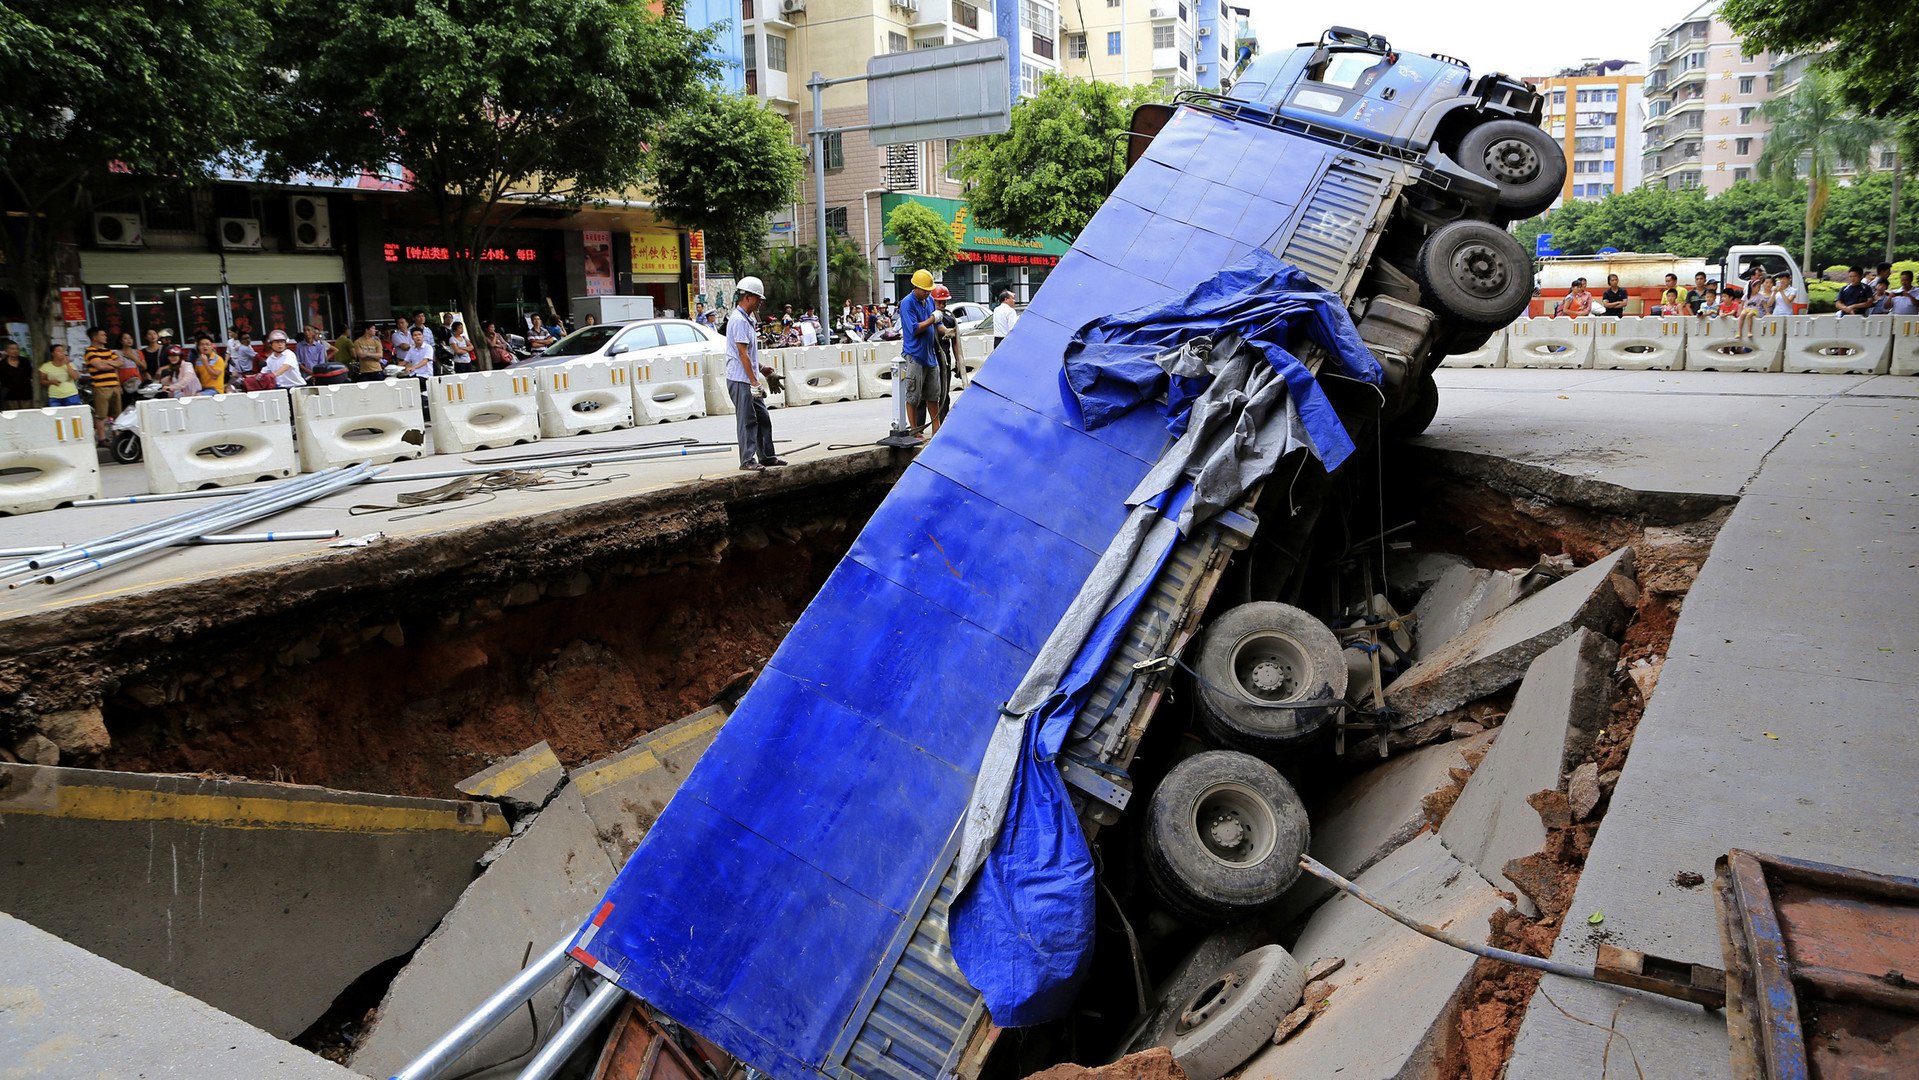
(1005, 317)
(418, 357)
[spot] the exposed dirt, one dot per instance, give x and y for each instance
(1154, 1064)
(406, 667)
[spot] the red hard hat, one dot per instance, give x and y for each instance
(940, 292)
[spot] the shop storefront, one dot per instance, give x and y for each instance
(520, 273)
(186, 293)
(658, 268)
(989, 262)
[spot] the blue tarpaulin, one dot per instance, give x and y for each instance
(769, 904)
(1023, 929)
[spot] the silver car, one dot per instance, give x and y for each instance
(640, 339)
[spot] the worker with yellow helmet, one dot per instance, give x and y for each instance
(918, 344)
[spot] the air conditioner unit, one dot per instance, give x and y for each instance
(312, 223)
(1205, 31)
(792, 7)
(907, 5)
(117, 231)
(240, 233)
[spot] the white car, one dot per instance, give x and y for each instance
(641, 339)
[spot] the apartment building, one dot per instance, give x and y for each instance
(1703, 94)
(1596, 111)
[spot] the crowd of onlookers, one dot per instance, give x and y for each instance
(856, 322)
(1761, 294)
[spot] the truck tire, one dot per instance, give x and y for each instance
(1419, 412)
(1259, 656)
(1524, 161)
(1474, 273)
(1235, 1013)
(1222, 837)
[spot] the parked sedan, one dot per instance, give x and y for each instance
(642, 339)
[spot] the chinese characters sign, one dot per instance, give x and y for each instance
(409, 253)
(656, 251)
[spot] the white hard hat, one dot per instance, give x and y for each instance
(753, 285)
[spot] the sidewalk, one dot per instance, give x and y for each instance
(1784, 721)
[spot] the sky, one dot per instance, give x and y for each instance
(1518, 39)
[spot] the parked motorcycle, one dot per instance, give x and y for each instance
(123, 434)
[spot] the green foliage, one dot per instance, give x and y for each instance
(722, 165)
(925, 239)
(792, 274)
(1813, 135)
(1866, 46)
(1050, 172)
(91, 94)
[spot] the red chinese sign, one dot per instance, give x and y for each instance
(696, 245)
(73, 305)
(396, 253)
(1000, 258)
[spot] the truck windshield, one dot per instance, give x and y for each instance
(1345, 70)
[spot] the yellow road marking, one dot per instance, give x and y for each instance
(512, 776)
(95, 803)
(645, 758)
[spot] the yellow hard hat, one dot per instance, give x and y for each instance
(922, 279)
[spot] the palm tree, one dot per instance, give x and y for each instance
(792, 273)
(1813, 135)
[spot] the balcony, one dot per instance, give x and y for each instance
(965, 14)
(1164, 11)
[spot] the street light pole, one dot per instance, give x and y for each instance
(817, 84)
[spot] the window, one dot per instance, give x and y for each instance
(1607, 188)
(1579, 191)
(1742, 146)
(1112, 43)
(1612, 96)
(1745, 114)
(1745, 84)
(1113, 3)
(1695, 61)
(1162, 37)
(775, 52)
(1039, 19)
(1611, 143)
(895, 42)
(1888, 159)
(750, 54)
(1607, 165)
(929, 43)
(1183, 62)
(1028, 80)
(681, 333)
(1076, 46)
(1182, 13)
(836, 220)
(1741, 174)
(965, 14)
(1559, 97)
(1043, 47)
(835, 151)
(1581, 97)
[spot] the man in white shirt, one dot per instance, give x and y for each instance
(1784, 296)
(418, 357)
(1904, 300)
(419, 323)
(752, 422)
(1005, 317)
(282, 363)
(401, 339)
(809, 331)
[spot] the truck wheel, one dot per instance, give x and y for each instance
(1474, 273)
(1223, 836)
(1233, 1015)
(1257, 657)
(1419, 412)
(1523, 160)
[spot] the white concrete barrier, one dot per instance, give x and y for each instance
(973, 351)
(876, 370)
(47, 458)
(203, 442)
(484, 410)
(585, 396)
(1490, 355)
(1550, 343)
(348, 423)
(1715, 344)
(672, 388)
(1639, 343)
(1905, 345)
(1838, 345)
(824, 373)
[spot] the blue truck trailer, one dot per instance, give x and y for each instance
(891, 853)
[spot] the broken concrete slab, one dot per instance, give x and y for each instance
(625, 793)
(538, 887)
(1412, 573)
(1393, 1001)
(1493, 655)
(528, 778)
(1461, 599)
(263, 900)
(65, 1012)
(1561, 705)
(1375, 813)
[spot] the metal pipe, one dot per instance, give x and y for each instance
(1551, 967)
(236, 516)
(111, 541)
(267, 537)
(598, 1006)
(558, 463)
(203, 493)
(435, 1060)
(14, 553)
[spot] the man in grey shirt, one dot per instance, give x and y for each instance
(752, 422)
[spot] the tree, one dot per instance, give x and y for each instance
(925, 238)
(1812, 133)
(84, 113)
(1863, 45)
(792, 273)
(495, 107)
(1048, 174)
(722, 165)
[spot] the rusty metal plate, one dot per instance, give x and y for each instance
(1822, 968)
